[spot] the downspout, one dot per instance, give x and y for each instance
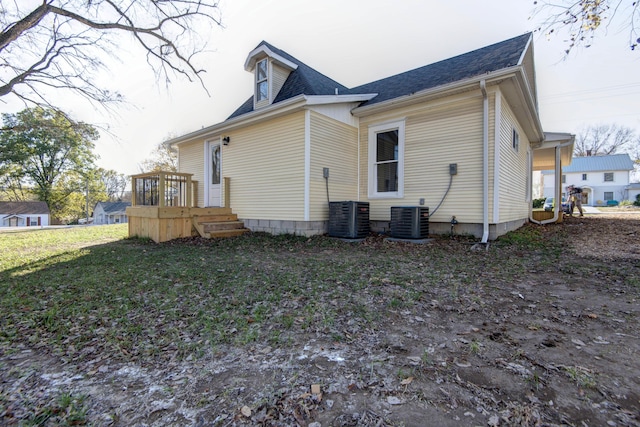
(485, 162)
(558, 188)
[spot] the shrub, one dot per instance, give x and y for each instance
(637, 202)
(626, 203)
(538, 203)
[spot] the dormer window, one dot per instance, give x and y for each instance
(262, 81)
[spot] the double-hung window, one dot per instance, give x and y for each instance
(262, 81)
(386, 160)
(608, 177)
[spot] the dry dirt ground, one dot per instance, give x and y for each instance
(554, 347)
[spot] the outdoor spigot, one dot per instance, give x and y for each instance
(454, 221)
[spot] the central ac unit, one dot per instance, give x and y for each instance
(409, 222)
(349, 220)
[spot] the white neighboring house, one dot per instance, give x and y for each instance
(602, 178)
(24, 214)
(110, 213)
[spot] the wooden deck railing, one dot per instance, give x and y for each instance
(164, 189)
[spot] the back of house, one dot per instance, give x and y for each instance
(457, 137)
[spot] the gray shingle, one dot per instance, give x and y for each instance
(23, 208)
(305, 80)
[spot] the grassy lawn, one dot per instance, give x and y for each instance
(91, 287)
(88, 298)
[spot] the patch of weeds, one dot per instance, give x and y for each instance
(66, 410)
(525, 237)
(581, 376)
(535, 381)
(474, 347)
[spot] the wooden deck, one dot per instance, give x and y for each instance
(543, 215)
(167, 223)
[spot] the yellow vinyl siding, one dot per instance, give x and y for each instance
(265, 163)
(191, 160)
(333, 145)
(513, 203)
(279, 76)
(435, 136)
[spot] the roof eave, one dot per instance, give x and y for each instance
(434, 92)
(243, 120)
(250, 63)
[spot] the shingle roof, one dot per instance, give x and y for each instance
(305, 80)
(615, 162)
(111, 207)
(23, 208)
(478, 62)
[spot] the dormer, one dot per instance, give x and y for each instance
(270, 70)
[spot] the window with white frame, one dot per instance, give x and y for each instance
(608, 195)
(608, 177)
(584, 176)
(262, 80)
(386, 160)
(515, 140)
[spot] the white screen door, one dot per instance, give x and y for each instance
(215, 163)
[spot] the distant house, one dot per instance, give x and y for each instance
(633, 190)
(110, 213)
(602, 178)
(24, 214)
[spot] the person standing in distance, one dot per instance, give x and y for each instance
(575, 196)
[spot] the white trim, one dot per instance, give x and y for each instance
(496, 157)
(307, 162)
(525, 51)
(398, 124)
(338, 99)
(439, 91)
(207, 168)
(250, 63)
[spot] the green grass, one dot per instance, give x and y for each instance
(86, 291)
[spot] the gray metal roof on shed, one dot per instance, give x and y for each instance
(305, 80)
(24, 208)
(614, 162)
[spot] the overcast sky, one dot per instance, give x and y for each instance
(355, 42)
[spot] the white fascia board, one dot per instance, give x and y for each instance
(460, 85)
(250, 63)
(279, 108)
(339, 99)
(525, 50)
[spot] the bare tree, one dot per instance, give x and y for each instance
(583, 19)
(61, 44)
(606, 139)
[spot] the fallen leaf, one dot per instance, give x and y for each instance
(315, 389)
(246, 411)
(407, 381)
(392, 400)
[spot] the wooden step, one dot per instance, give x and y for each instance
(215, 218)
(227, 233)
(210, 227)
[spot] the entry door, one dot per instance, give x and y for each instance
(215, 163)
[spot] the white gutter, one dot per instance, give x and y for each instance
(274, 110)
(558, 187)
(485, 162)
